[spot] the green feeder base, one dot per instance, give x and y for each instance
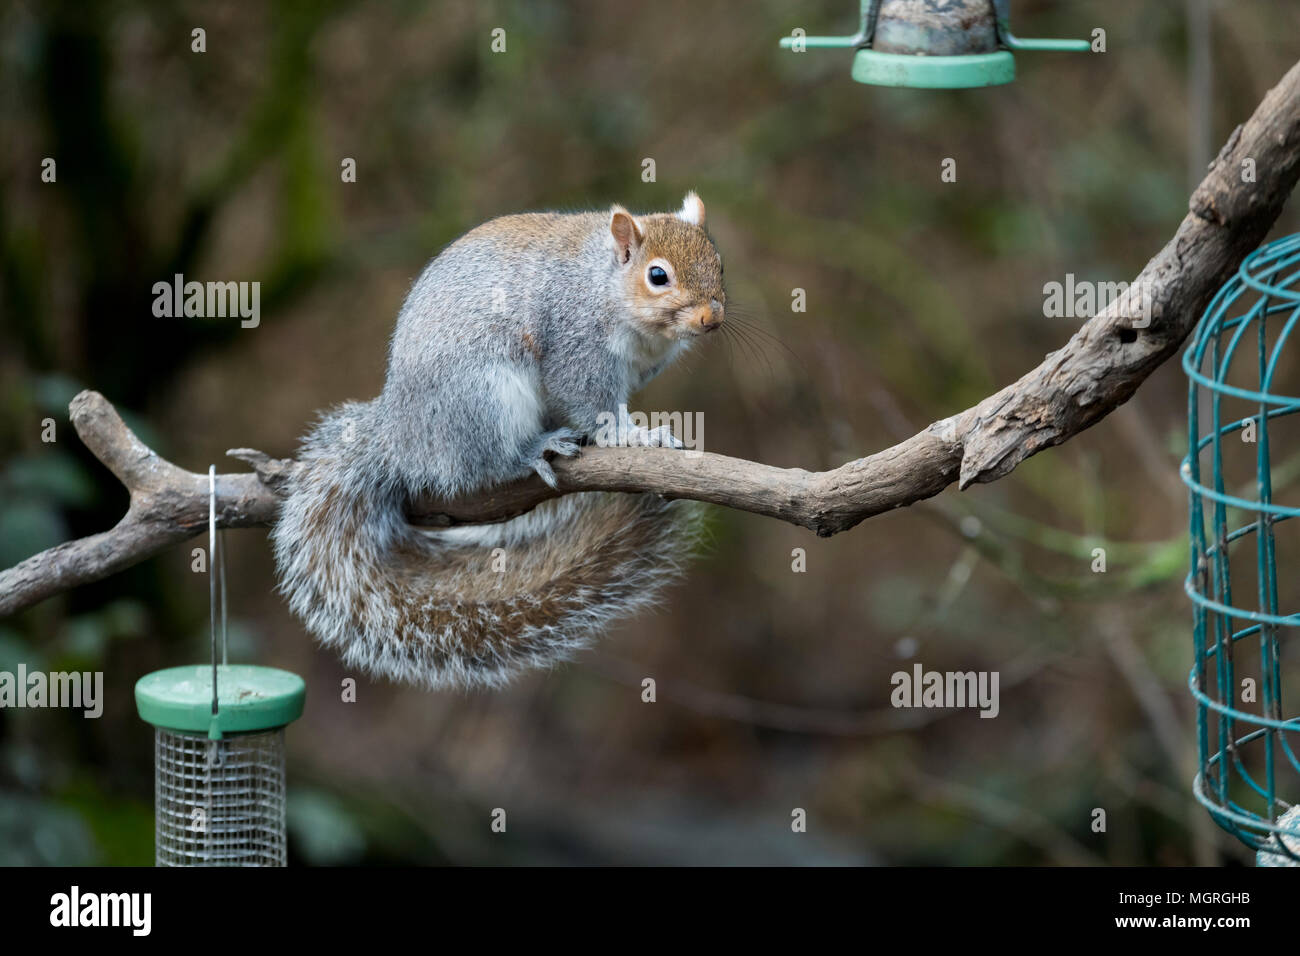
(934, 72)
(250, 699)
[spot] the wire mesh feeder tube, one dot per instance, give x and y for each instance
(219, 779)
(219, 802)
(1245, 613)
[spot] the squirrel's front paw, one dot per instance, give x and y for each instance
(563, 442)
(661, 437)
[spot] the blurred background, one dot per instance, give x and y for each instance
(773, 686)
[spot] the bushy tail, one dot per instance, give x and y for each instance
(469, 606)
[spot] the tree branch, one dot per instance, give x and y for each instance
(1094, 373)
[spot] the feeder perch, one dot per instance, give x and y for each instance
(1244, 638)
(934, 44)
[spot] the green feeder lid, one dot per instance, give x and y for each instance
(249, 699)
(934, 72)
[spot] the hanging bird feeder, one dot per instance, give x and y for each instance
(219, 778)
(1244, 638)
(934, 44)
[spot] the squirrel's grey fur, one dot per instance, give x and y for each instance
(509, 345)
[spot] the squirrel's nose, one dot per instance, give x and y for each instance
(713, 317)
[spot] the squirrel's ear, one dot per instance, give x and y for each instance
(626, 232)
(692, 210)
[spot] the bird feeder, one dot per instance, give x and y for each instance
(219, 781)
(1245, 638)
(219, 777)
(933, 44)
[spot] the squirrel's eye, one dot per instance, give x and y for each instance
(657, 275)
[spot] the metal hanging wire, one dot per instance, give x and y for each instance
(213, 572)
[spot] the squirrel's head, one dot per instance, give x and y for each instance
(670, 271)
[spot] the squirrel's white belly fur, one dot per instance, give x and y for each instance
(518, 390)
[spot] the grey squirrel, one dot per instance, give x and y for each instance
(509, 347)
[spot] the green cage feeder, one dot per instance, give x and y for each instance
(1245, 614)
(933, 44)
(219, 771)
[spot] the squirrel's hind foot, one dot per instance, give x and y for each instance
(564, 442)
